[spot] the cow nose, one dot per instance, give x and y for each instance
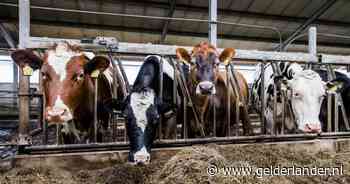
(206, 87)
(312, 128)
(56, 112)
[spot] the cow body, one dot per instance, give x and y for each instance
(144, 108)
(209, 89)
(307, 94)
(69, 89)
(342, 86)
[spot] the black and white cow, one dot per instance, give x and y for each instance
(144, 107)
(340, 84)
(307, 94)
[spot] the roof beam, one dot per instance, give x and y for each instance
(167, 22)
(36, 21)
(229, 12)
(7, 36)
(320, 11)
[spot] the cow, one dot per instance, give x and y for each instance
(307, 91)
(340, 84)
(68, 88)
(143, 108)
(208, 88)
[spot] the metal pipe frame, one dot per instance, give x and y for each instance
(51, 149)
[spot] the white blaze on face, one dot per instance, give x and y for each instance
(139, 103)
(58, 60)
(307, 95)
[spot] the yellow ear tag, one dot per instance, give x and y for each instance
(333, 89)
(95, 73)
(227, 61)
(184, 61)
(27, 71)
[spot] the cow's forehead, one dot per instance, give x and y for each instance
(58, 58)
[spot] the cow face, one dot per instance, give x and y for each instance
(205, 62)
(65, 77)
(307, 94)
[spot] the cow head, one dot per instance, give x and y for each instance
(205, 61)
(307, 91)
(65, 76)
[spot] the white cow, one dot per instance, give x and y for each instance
(307, 91)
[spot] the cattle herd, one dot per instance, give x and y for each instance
(68, 86)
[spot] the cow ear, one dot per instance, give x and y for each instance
(183, 56)
(99, 63)
(226, 55)
(26, 57)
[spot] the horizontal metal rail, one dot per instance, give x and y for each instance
(122, 146)
(158, 49)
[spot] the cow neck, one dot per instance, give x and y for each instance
(87, 98)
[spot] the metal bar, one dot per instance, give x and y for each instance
(95, 109)
(24, 28)
(7, 36)
(319, 12)
(273, 127)
(158, 49)
(168, 143)
(329, 112)
(312, 42)
(167, 22)
(160, 93)
(283, 104)
(213, 5)
(214, 115)
(262, 95)
(228, 104)
(336, 114)
(123, 74)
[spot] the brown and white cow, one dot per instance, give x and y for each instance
(205, 81)
(69, 88)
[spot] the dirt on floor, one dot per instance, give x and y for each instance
(191, 166)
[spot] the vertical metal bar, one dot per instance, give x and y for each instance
(24, 27)
(336, 114)
(329, 112)
(214, 114)
(212, 23)
(283, 98)
(273, 127)
(228, 110)
(95, 110)
(312, 42)
(160, 95)
(185, 131)
(175, 92)
(237, 118)
(262, 95)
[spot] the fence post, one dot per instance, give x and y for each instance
(212, 22)
(24, 28)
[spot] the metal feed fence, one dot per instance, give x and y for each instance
(168, 52)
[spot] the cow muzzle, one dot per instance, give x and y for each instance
(206, 88)
(312, 128)
(58, 115)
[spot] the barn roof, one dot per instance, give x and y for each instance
(286, 15)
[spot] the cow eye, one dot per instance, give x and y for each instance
(297, 95)
(79, 77)
(45, 76)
